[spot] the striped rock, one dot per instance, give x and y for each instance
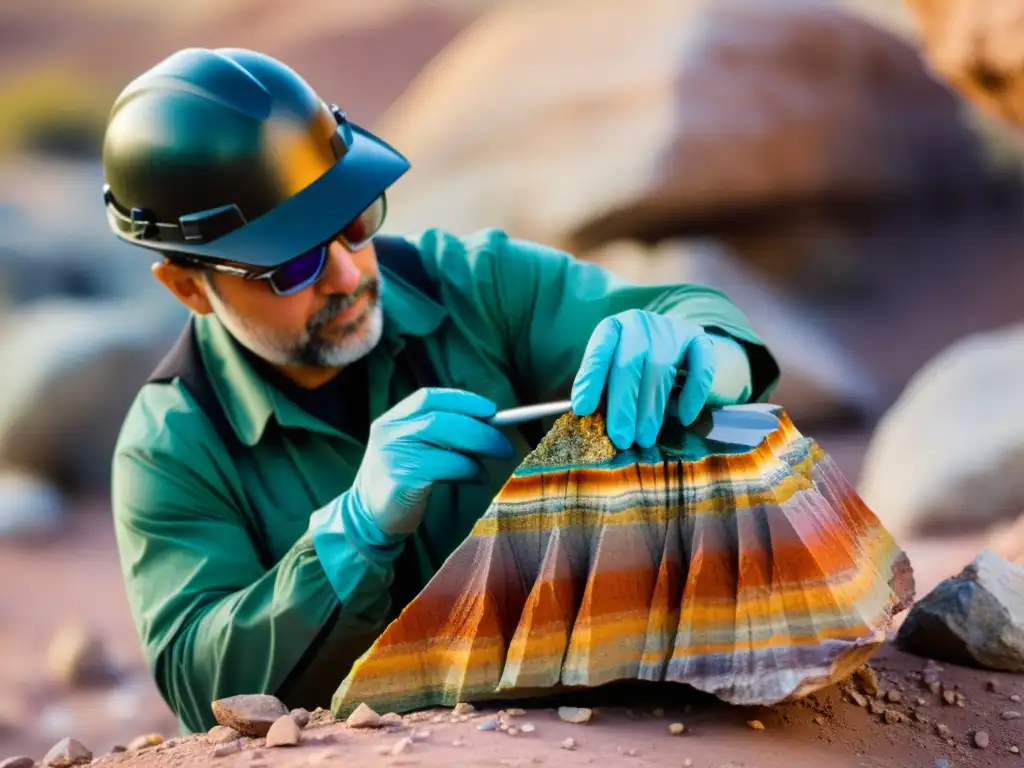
(733, 557)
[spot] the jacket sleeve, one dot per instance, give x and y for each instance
(536, 307)
(213, 619)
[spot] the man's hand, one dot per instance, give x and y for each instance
(634, 357)
(434, 435)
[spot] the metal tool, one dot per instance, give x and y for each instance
(529, 413)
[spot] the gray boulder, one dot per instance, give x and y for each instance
(71, 370)
(975, 618)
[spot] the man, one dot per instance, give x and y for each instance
(316, 444)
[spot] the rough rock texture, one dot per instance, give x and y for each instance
(820, 380)
(975, 618)
(979, 48)
(249, 714)
(947, 454)
(657, 116)
(67, 752)
(573, 440)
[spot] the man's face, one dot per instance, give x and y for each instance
(330, 324)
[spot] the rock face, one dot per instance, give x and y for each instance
(819, 381)
(975, 618)
(673, 113)
(946, 456)
(979, 48)
(249, 714)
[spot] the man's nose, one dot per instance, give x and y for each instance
(341, 275)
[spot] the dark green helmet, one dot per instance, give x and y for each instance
(229, 155)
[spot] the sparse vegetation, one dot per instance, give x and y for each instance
(52, 111)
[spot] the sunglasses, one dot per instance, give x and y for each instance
(306, 269)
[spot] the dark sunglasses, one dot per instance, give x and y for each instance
(305, 269)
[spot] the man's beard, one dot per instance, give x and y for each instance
(314, 347)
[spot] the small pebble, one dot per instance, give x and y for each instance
(223, 750)
(250, 715)
(391, 718)
(568, 743)
(283, 733)
(981, 739)
(676, 729)
(1015, 697)
(363, 717)
(463, 708)
(528, 728)
(942, 729)
(420, 735)
(145, 741)
(575, 714)
(67, 752)
(893, 696)
(1014, 749)
(511, 730)
(858, 698)
(949, 697)
(757, 725)
(819, 719)
(921, 702)
(891, 716)
(868, 680)
(921, 718)
(490, 724)
(300, 716)
(876, 707)
(1011, 715)
(221, 734)
(934, 687)
(515, 712)
(18, 762)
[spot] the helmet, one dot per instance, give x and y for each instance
(229, 155)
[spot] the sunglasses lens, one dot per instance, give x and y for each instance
(364, 226)
(299, 272)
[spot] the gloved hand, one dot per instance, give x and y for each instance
(432, 436)
(636, 355)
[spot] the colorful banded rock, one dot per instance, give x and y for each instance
(733, 556)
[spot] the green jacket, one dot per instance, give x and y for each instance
(224, 585)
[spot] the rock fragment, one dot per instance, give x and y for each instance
(867, 679)
(283, 733)
(757, 725)
(145, 741)
(676, 729)
(575, 714)
(222, 734)
(463, 708)
(300, 716)
(67, 752)
(568, 743)
(19, 761)
(981, 739)
(363, 717)
(975, 618)
(249, 714)
(1011, 714)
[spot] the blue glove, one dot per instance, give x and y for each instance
(636, 355)
(432, 436)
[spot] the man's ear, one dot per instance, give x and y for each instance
(187, 284)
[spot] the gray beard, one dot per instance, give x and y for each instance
(311, 349)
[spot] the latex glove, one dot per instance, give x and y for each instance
(434, 435)
(635, 356)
